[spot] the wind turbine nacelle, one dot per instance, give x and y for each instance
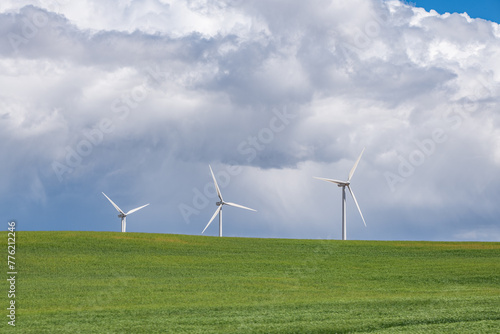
(218, 203)
(343, 184)
(121, 216)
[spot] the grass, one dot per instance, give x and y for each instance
(104, 282)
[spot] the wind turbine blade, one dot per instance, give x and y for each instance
(239, 206)
(136, 209)
(355, 201)
(216, 185)
(330, 180)
(211, 219)
(116, 206)
(355, 165)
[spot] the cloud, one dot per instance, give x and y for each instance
(139, 96)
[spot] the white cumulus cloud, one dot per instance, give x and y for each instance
(136, 98)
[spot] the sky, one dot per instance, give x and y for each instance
(484, 9)
(137, 98)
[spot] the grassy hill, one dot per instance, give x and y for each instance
(104, 282)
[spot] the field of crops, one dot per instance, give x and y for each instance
(105, 282)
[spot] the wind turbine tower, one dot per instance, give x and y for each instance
(346, 184)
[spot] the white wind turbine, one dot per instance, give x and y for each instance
(347, 184)
(122, 214)
(220, 204)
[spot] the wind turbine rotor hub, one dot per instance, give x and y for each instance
(219, 203)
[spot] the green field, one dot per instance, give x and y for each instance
(104, 282)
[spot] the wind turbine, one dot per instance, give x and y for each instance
(220, 204)
(347, 184)
(122, 214)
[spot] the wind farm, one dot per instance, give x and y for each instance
(201, 284)
(355, 148)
